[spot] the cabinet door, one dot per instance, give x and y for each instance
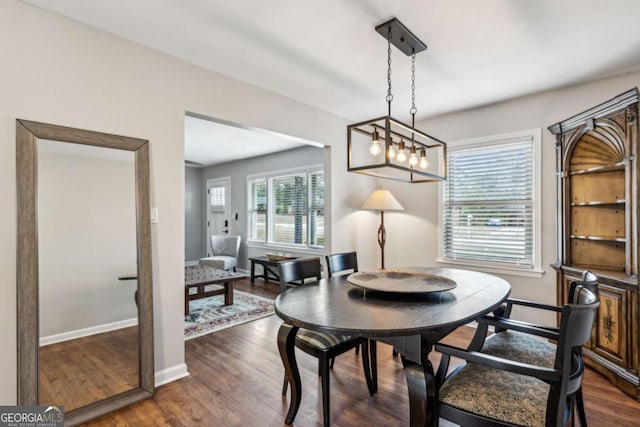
(611, 325)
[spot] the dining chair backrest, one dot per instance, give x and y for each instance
(338, 263)
(589, 281)
(298, 270)
(576, 324)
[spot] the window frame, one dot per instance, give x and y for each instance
(250, 209)
(535, 270)
(270, 220)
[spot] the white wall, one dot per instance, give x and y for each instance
(86, 240)
(62, 72)
(417, 227)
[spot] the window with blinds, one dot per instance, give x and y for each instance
(287, 209)
(489, 213)
(316, 209)
(258, 209)
(289, 225)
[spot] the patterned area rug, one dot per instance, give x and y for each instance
(209, 315)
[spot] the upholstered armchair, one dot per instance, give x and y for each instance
(225, 250)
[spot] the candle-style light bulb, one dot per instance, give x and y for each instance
(424, 163)
(402, 154)
(392, 151)
(374, 147)
(413, 158)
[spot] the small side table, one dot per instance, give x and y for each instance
(269, 268)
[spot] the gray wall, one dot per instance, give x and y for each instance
(238, 171)
(193, 214)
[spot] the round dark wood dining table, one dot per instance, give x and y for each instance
(412, 323)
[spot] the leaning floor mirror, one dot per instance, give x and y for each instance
(84, 287)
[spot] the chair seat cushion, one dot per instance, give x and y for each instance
(521, 347)
(321, 340)
(222, 262)
(504, 396)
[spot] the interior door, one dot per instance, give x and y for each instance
(218, 206)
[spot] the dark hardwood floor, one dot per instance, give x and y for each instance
(236, 380)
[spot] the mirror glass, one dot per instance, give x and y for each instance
(87, 266)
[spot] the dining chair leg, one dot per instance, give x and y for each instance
(333, 359)
(324, 377)
(285, 385)
(582, 416)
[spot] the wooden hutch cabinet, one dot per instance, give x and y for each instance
(597, 179)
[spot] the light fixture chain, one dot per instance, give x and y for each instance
(389, 94)
(413, 109)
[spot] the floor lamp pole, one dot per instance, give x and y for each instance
(382, 238)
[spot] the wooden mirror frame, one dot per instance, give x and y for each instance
(27, 135)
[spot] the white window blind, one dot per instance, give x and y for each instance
(287, 209)
(217, 200)
(258, 209)
(488, 202)
(289, 216)
(316, 209)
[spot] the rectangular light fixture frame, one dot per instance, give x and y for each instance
(388, 128)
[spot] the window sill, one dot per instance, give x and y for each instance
(511, 271)
(285, 248)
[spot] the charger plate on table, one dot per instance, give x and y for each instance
(400, 281)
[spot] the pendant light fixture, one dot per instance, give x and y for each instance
(371, 145)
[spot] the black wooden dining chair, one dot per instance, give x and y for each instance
(510, 380)
(324, 346)
(343, 263)
(520, 340)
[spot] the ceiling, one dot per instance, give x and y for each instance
(209, 142)
(326, 53)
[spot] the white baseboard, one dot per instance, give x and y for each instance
(79, 333)
(191, 263)
(171, 374)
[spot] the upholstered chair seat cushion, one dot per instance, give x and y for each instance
(521, 348)
(320, 340)
(225, 252)
(222, 262)
(504, 396)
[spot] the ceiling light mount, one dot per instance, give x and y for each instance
(401, 37)
(371, 149)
